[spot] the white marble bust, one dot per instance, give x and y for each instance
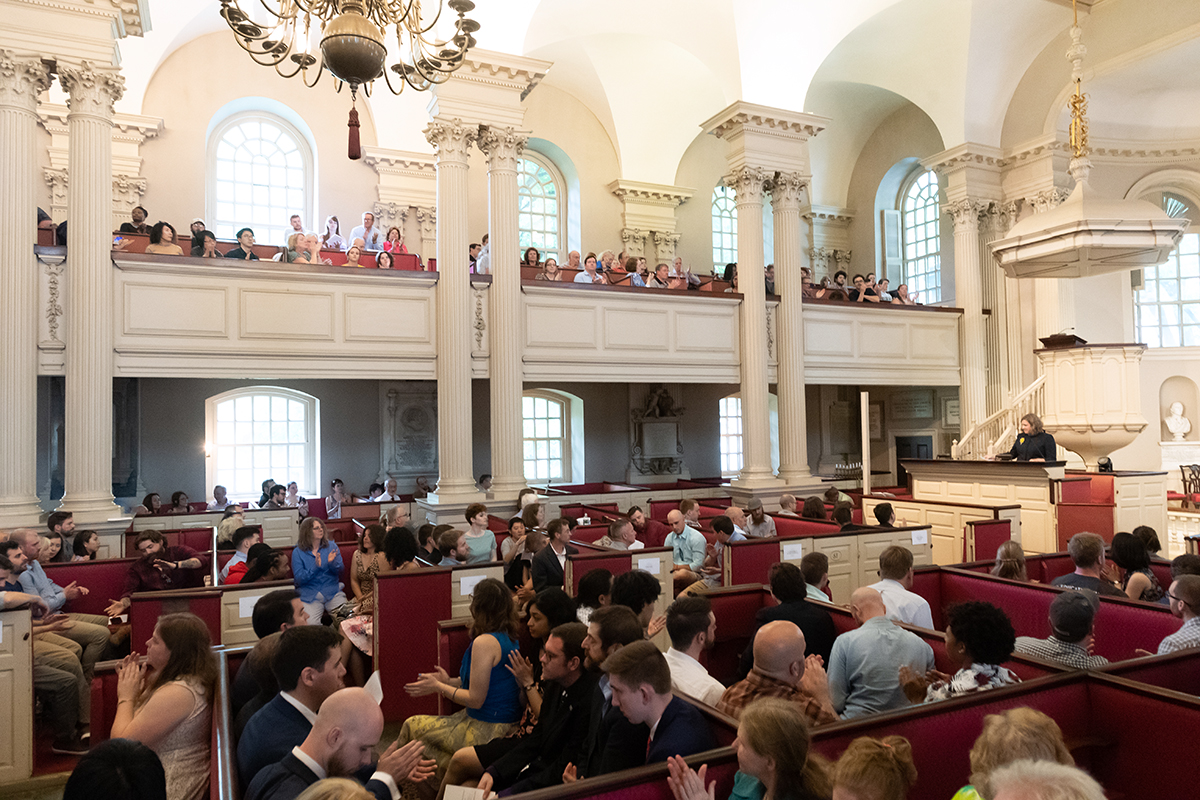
(1177, 423)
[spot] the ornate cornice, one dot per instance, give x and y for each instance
(399, 162)
(129, 16)
(128, 128)
(503, 146)
(739, 115)
(965, 155)
(843, 216)
(501, 69)
(652, 194)
(452, 139)
(22, 79)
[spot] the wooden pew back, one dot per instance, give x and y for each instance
(104, 580)
(199, 539)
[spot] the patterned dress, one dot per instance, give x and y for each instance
(975, 678)
(359, 629)
(1152, 593)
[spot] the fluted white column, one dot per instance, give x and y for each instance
(1014, 350)
(92, 90)
(503, 147)
(968, 295)
(995, 324)
(22, 78)
(747, 182)
(452, 139)
(791, 248)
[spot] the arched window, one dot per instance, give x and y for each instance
(724, 227)
(262, 432)
(540, 206)
(553, 436)
(1167, 306)
(922, 238)
(260, 170)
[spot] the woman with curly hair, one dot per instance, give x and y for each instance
(485, 685)
(1013, 735)
(875, 769)
(979, 638)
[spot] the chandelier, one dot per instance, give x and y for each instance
(1087, 234)
(347, 37)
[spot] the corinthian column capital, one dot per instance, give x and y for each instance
(503, 146)
(452, 139)
(92, 89)
(965, 213)
(747, 183)
(22, 79)
(786, 190)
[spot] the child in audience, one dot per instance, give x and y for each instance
(875, 769)
(481, 542)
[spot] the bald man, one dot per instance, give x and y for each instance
(864, 665)
(782, 670)
(341, 743)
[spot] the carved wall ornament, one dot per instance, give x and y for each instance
(787, 189)
(54, 310)
(655, 446)
(770, 332)
(390, 215)
(634, 240)
(1047, 199)
(427, 219)
(480, 326)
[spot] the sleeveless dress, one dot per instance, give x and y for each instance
(500, 712)
(185, 751)
(1152, 593)
(480, 547)
(359, 628)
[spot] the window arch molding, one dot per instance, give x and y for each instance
(561, 206)
(570, 437)
(285, 133)
(920, 205)
(257, 432)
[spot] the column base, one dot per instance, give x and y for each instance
(445, 509)
(92, 510)
(765, 487)
(505, 490)
(20, 512)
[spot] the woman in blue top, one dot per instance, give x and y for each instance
(480, 541)
(316, 565)
(485, 684)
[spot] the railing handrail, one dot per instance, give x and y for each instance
(1002, 424)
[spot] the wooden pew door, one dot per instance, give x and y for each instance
(16, 696)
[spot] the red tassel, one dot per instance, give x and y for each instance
(355, 151)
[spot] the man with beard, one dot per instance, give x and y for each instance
(161, 567)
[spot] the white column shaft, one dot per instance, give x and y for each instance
(453, 140)
(22, 77)
(89, 355)
(756, 431)
(968, 290)
(503, 147)
(791, 249)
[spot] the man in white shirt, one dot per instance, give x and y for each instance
(391, 493)
(483, 261)
(896, 570)
(787, 505)
(371, 236)
(573, 260)
(692, 626)
(220, 499)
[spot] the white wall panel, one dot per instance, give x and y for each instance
(285, 315)
(187, 310)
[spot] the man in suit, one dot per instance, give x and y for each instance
(548, 565)
(308, 666)
(342, 742)
(789, 588)
(641, 688)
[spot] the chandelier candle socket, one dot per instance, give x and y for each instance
(348, 38)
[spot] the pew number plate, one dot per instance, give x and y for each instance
(246, 606)
(793, 551)
(467, 585)
(651, 565)
(921, 536)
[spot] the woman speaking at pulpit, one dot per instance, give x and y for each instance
(1033, 443)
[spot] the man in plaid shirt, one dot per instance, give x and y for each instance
(781, 670)
(1185, 604)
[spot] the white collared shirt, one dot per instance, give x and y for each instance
(904, 605)
(321, 774)
(308, 713)
(690, 677)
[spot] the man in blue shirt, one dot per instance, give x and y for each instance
(864, 667)
(689, 549)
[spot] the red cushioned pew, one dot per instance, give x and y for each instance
(1177, 672)
(104, 579)
(199, 539)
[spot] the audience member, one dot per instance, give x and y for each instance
(354, 256)
(550, 271)
(712, 574)
(117, 769)
(513, 545)
(263, 565)
(1072, 615)
(782, 670)
(453, 546)
(220, 499)
(395, 241)
(204, 245)
(589, 273)
(61, 525)
(336, 789)
(231, 520)
(773, 755)
(138, 215)
(85, 546)
(650, 532)
(834, 496)
(875, 769)
(638, 591)
(483, 260)
(307, 666)
(366, 563)
(692, 626)
(688, 548)
(861, 293)
(1139, 581)
(979, 638)
(547, 610)
(341, 742)
(537, 759)
(481, 542)
(48, 549)
(1184, 597)
(635, 266)
(1043, 780)
(391, 492)
(485, 686)
(532, 258)
(1087, 553)
(1010, 562)
(332, 239)
(738, 517)
(337, 496)
(814, 567)
(787, 505)
(896, 572)
(244, 538)
(533, 514)
(162, 240)
(902, 297)
(843, 515)
(371, 236)
(814, 508)
(160, 567)
(1149, 537)
(166, 703)
(864, 667)
(427, 550)
(690, 510)
(316, 565)
(1186, 564)
(881, 289)
(760, 525)
(595, 590)
(179, 504)
(885, 515)
(245, 248)
(789, 589)
(1018, 734)
(548, 565)
(621, 536)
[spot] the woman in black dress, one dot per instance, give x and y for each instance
(1033, 443)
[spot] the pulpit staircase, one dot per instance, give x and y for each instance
(995, 433)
